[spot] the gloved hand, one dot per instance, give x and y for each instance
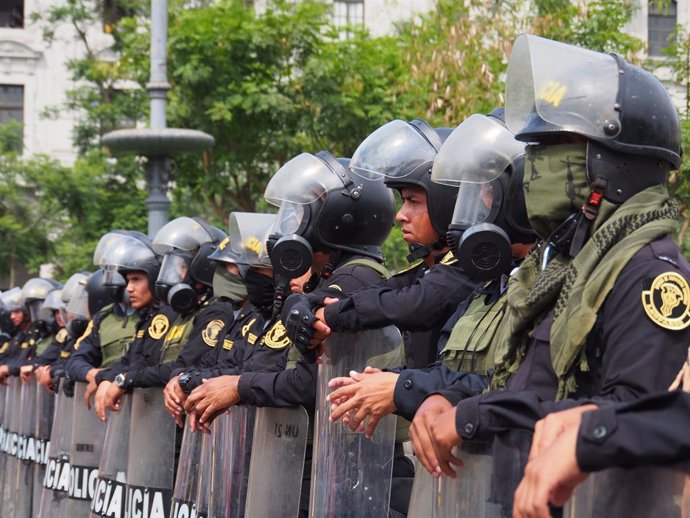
(298, 318)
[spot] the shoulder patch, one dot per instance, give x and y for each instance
(247, 326)
(159, 326)
(276, 337)
(667, 301)
(210, 334)
(227, 344)
(449, 258)
(61, 335)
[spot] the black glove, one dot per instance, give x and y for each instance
(298, 318)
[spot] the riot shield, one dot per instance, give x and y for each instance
(45, 407)
(88, 434)
(151, 456)
(26, 451)
(484, 486)
(223, 488)
(277, 462)
(56, 480)
(351, 475)
(186, 481)
(110, 497)
(3, 433)
(652, 492)
(10, 482)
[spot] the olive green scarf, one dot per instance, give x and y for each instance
(576, 288)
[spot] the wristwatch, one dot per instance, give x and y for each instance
(121, 381)
(184, 380)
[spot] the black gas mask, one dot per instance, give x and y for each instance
(291, 255)
(172, 284)
(260, 291)
(77, 327)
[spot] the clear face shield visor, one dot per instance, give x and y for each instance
(12, 299)
(476, 203)
(181, 233)
(570, 89)
(174, 269)
(477, 151)
(125, 252)
(247, 232)
(78, 306)
(395, 150)
(302, 180)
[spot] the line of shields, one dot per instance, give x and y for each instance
(57, 460)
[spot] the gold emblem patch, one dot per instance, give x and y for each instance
(210, 334)
(61, 335)
(247, 327)
(276, 337)
(159, 326)
(227, 344)
(667, 302)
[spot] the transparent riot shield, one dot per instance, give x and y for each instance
(56, 480)
(351, 475)
(189, 467)
(45, 408)
(206, 483)
(26, 451)
(483, 487)
(150, 470)
(652, 492)
(88, 434)
(223, 488)
(110, 497)
(10, 482)
(3, 434)
(277, 462)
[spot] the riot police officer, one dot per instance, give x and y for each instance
(589, 314)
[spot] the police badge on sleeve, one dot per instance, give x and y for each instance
(667, 301)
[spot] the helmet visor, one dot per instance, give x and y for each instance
(474, 204)
(570, 88)
(78, 306)
(13, 299)
(74, 285)
(478, 151)
(104, 243)
(173, 270)
(125, 252)
(182, 233)
(395, 150)
(304, 179)
(53, 301)
(247, 232)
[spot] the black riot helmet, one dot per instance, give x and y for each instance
(402, 154)
(12, 300)
(131, 252)
(629, 121)
(100, 294)
(324, 207)
(186, 273)
(485, 161)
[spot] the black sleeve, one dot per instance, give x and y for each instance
(193, 350)
(638, 358)
(291, 387)
(87, 355)
(650, 431)
(422, 306)
(415, 385)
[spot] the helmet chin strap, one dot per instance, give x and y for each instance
(420, 251)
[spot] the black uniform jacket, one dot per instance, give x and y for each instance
(199, 343)
(88, 354)
(415, 385)
(629, 355)
(235, 342)
(418, 300)
(650, 431)
(145, 349)
(293, 387)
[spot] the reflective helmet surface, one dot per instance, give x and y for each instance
(402, 153)
(324, 202)
(129, 254)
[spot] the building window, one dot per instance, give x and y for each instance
(12, 13)
(660, 25)
(348, 13)
(12, 114)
